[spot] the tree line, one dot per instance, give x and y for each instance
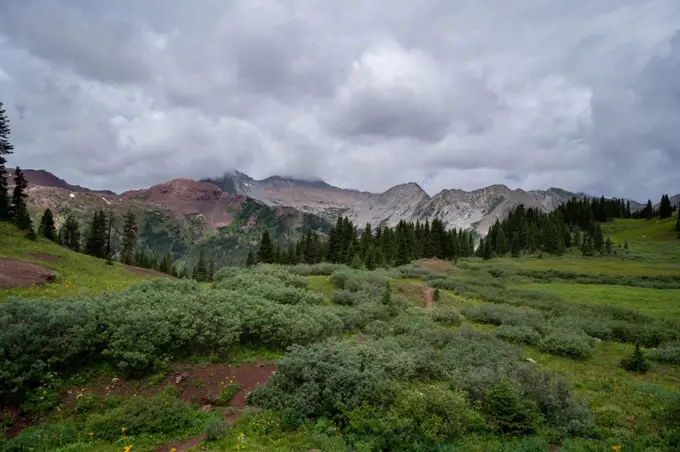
(384, 246)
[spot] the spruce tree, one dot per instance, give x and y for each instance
(250, 260)
(47, 228)
(266, 252)
(515, 249)
(370, 258)
(665, 208)
(95, 245)
(649, 210)
(109, 227)
(357, 263)
(69, 234)
(625, 245)
(201, 268)
(6, 148)
(18, 208)
(129, 237)
(211, 270)
(608, 246)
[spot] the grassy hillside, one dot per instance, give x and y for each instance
(75, 273)
(515, 355)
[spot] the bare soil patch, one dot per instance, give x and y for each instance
(146, 271)
(437, 265)
(427, 293)
(45, 257)
(195, 383)
(18, 273)
(184, 445)
(15, 421)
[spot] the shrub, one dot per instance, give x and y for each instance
(517, 334)
(667, 353)
(567, 343)
(507, 413)
(321, 380)
(227, 393)
(446, 315)
(215, 429)
(637, 362)
(497, 314)
(162, 414)
(45, 437)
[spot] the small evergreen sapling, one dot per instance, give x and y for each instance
(637, 362)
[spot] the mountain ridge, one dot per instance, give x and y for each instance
(213, 198)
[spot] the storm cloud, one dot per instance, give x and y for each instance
(362, 94)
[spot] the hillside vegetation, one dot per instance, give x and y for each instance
(75, 273)
(515, 354)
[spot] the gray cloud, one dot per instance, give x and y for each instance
(582, 95)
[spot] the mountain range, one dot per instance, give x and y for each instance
(226, 215)
(476, 210)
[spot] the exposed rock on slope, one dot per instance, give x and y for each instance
(476, 210)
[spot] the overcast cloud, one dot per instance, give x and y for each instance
(582, 95)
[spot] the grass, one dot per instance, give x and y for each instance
(320, 284)
(660, 303)
(76, 273)
(654, 238)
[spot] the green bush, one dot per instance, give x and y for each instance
(498, 314)
(162, 414)
(215, 429)
(321, 380)
(667, 353)
(45, 437)
(446, 315)
(567, 343)
(517, 334)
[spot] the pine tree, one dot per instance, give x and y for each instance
(201, 269)
(47, 228)
(370, 258)
(69, 234)
(250, 260)
(502, 246)
(129, 237)
(211, 270)
(608, 246)
(18, 207)
(649, 210)
(110, 221)
(6, 148)
(357, 263)
(95, 245)
(266, 252)
(665, 208)
(515, 249)
(625, 245)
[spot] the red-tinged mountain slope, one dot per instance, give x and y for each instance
(186, 196)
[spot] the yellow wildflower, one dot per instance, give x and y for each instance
(173, 450)
(127, 448)
(616, 448)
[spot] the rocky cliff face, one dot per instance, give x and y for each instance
(475, 210)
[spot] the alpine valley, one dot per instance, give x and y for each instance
(225, 216)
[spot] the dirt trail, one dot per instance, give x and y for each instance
(427, 293)
(437, 265)
(18, 273)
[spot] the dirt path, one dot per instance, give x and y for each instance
(437, 265)
(18, 273)
(427, 293)
(188, 444)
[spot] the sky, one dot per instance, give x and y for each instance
(583, 95)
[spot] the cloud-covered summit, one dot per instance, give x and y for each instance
(363, 94)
